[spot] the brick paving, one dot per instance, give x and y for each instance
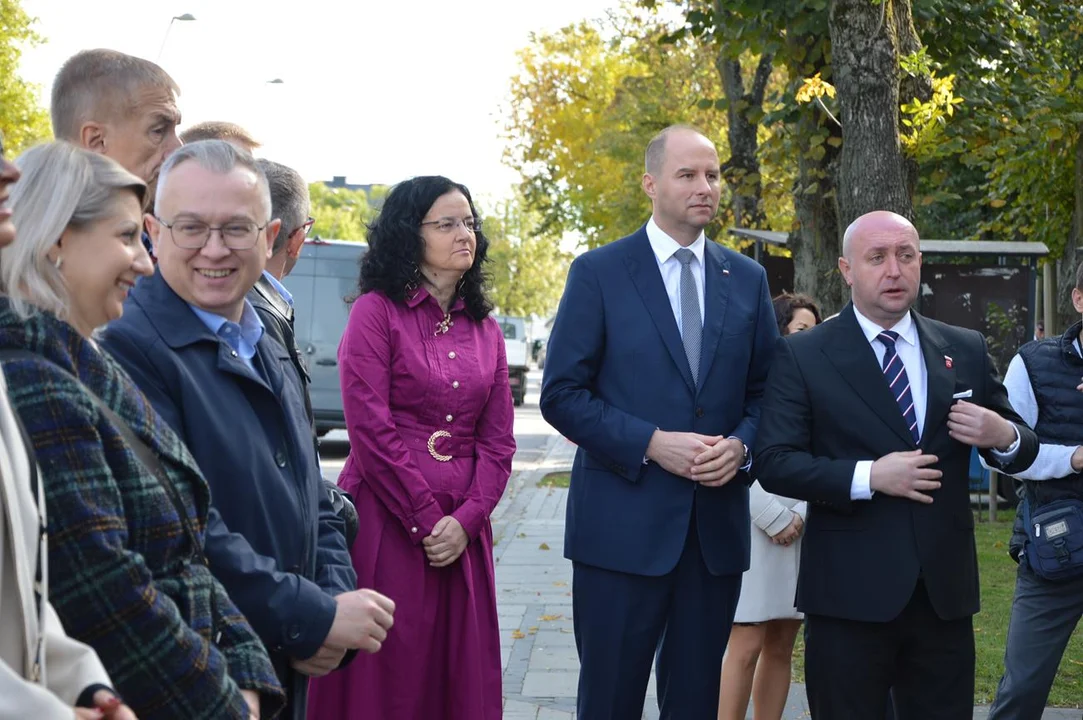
(535, 604)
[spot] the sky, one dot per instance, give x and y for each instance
(375, 91)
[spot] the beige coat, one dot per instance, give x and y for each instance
(27, 690)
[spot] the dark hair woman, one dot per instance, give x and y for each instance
(429, 415)
(795, 312)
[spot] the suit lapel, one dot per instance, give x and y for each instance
(941, 378)
(853, 356)
(716, 280)
(643, 267)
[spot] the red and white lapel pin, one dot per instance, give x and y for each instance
(947, 362)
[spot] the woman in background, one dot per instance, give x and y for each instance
(758, 658)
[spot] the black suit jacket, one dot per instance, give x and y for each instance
(277, 317)
(826, 407)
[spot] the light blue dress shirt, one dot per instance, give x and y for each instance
(279, 287)
(242, 337)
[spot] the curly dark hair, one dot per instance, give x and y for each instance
(788, 303)
(396, 247)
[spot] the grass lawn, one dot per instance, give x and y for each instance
(991, 624)
(556, 479)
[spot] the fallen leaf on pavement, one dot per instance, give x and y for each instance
(550, 618)
(516, 635)
(543, 546)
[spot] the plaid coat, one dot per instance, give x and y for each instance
(119, 573)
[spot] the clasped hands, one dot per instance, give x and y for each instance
(107, 706)
(446, 543)
(711, 461)
(789, 534)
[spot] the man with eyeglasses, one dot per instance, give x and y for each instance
(199, 351)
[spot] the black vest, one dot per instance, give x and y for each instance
(1055, 369)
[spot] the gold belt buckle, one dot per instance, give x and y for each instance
(432, 445)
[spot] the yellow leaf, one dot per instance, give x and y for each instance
(1054, 133)
(998, 203)
(516, 635)
(543, 546)
(550, 618)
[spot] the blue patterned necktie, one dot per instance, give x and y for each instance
(691, 322)
(897, 380)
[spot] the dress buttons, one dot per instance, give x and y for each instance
(451, 354)
(413, 530)
(455, 384)
(448, 418)
(233, 353)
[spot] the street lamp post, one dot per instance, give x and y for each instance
(186, 17)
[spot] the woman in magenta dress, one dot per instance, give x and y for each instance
(429, 414)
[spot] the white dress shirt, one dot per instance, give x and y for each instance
(908, 347)
(669, 266)
(1053, 461)
(665, 248)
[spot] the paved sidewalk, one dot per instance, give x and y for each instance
(535, 604)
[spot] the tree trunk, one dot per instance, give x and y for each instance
(742, 170)
(816, 243)
(1069, 262)
(865, 59)
(910, 86)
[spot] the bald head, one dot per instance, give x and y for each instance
(875, 222)
(881, 262)
(656, 148)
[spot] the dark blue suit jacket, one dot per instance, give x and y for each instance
(616, 370)
(283, 556)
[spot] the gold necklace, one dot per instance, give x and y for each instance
(444, 325)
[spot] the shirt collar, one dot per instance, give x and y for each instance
(286, 295)
(664, 246)
(905, 327)
(422, 294)
(251, 326)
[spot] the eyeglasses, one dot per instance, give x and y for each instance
(306, 226)
(447, 225)
(195, 234)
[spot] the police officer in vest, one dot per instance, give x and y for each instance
(1042, 382)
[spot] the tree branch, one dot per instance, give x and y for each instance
(759, 81)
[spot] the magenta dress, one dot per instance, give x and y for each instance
(430, 423)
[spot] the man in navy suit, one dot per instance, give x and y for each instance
(655, 369)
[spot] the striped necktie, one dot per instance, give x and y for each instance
(895, 373)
